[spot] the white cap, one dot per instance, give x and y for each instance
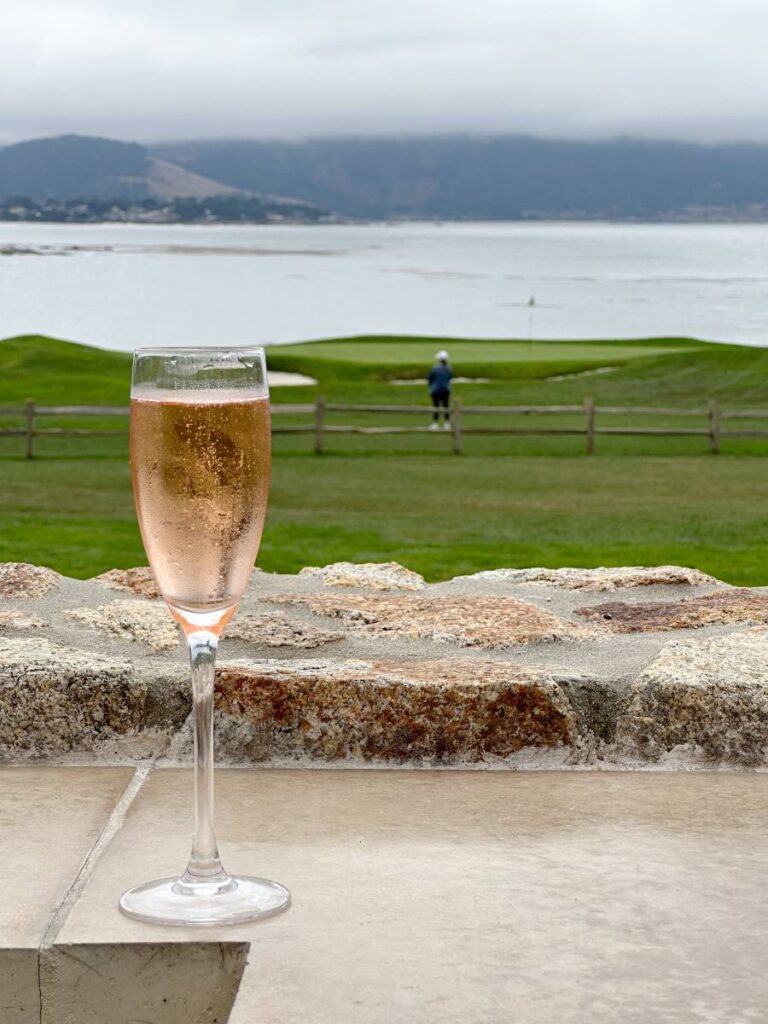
(442, 354)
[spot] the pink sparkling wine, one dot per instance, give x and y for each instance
(200, 463)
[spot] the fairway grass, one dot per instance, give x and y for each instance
(385, 352)
(439, 515)
(384, 358)
(506, 502)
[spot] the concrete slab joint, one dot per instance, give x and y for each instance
(508, 667)
(616, 896)
(46, 976)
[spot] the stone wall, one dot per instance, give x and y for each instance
(367, 664)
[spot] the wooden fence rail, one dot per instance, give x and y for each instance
(711, 418)
(711, 415)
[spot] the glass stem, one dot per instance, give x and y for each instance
(204, 863)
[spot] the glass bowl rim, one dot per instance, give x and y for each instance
(195, 349)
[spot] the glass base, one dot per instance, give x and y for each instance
(179, 901)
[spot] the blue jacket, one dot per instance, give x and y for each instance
(440, 378)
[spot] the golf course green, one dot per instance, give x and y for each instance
(507, 501)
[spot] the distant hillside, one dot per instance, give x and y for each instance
(494, 178)
(76, 166)
(70, 166)
(78, 178)
(452, 177)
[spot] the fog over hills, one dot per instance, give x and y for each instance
(495, 177)
(448, 177)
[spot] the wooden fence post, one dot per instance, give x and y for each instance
(29, 416)
(589, 412)
(319, 422)
(714, 427)
(456, 426)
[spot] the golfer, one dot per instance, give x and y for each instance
(439, 381)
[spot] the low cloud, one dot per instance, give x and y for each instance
(578, 68)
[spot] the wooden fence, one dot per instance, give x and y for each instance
(317, 424)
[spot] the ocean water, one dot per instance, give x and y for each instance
(123, 286)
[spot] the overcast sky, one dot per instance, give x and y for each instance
(170, 69)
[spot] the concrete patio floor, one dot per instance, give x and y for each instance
(419, 897)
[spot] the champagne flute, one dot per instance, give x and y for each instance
(200, 462)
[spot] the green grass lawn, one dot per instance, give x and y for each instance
(438, 514)
(383, 358)
(507, 501)
(55, 372)
(386, 355)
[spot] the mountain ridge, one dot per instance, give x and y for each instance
(79, 166)
(497, 177)
(448, 177)
(41, 179)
